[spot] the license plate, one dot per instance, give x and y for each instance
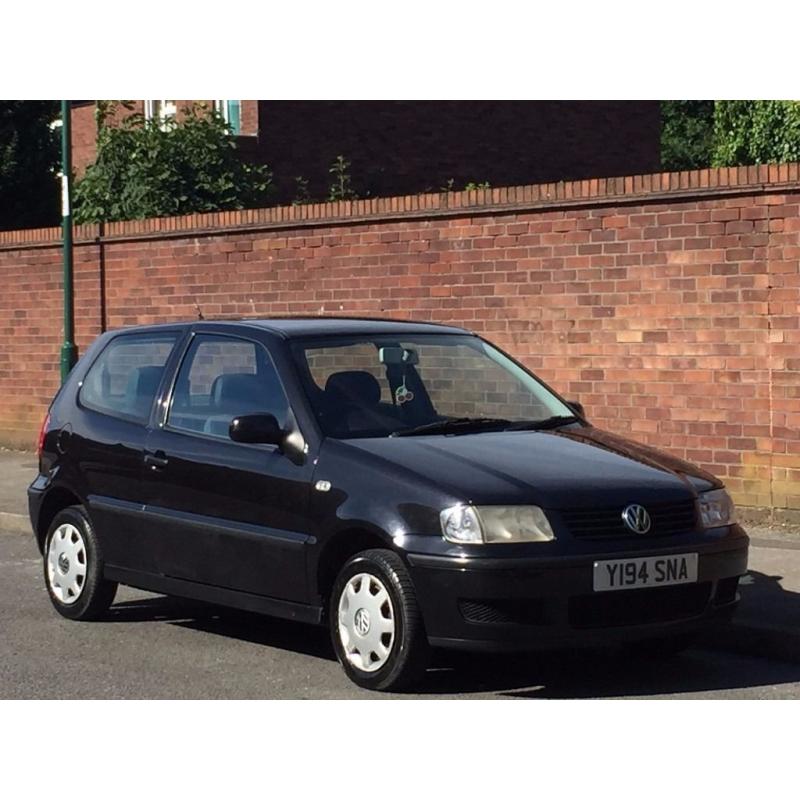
(639, 573)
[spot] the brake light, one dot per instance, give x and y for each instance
(42, 434)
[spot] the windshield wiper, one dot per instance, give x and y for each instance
(543, 424)
(458, 425)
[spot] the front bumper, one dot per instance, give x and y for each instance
(525, 602)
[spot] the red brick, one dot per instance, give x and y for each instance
(680, 329)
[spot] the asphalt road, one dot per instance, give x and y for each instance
(159, 647)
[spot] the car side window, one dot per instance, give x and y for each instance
(124, 379)
(221, 378)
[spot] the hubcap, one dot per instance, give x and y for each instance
(361, 621)
(66, 563)
(366, 622)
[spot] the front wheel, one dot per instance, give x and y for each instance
(376, 625)
(73, 567)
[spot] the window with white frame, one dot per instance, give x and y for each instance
(231, 111)
(161, 110)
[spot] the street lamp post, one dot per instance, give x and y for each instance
(69, 352)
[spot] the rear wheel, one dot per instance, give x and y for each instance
(376, 625)
(73, 567)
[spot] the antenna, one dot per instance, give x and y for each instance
(199, 312)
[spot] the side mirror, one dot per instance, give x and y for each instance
(577, 408)
(256, 429)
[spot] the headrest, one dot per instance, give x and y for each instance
(239, 387)
(143, 382)
(353, 386)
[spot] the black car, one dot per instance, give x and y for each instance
(408, 484)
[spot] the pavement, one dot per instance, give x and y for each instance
(17, 470)
(171, 647)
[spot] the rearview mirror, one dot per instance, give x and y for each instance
(398, 355)
(256, 429)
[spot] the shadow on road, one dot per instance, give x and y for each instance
(255, 628)
(573, 674)
(605, 675)
(765, 598)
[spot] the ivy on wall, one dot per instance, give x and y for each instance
(721, 133)
(756, 132)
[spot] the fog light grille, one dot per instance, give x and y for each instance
(503, 612)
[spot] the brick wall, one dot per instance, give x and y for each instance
(84, 136)
(667, 303)
(398, 147)
(415, 146)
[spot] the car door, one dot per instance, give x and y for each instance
(109, 430)
(228, 514)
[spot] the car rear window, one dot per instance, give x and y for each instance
(125, 377)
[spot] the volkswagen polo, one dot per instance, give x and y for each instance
(409, 485)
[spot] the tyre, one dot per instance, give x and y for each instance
(376, 625)
(73, 567)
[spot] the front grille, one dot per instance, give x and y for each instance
(639, 606)
(528, 611)
(666, 519)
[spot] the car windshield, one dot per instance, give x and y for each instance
(426, 384)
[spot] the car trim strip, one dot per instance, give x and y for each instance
(280, 537)
(246, 601)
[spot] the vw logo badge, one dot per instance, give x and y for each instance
(636, 518)
(362, 622)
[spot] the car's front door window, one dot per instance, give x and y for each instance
(221, 378)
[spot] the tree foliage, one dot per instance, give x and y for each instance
(29, 159)
(702, 133)
(687, 134)
(146, 168)
(756, 132)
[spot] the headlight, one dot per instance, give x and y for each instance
(716, 509)
(492, 524)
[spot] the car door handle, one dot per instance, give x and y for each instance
(157, 460)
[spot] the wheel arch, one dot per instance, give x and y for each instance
(57, 499)
(340, 547)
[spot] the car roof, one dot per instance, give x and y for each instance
(292, 327)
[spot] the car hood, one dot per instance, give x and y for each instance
(567, 468)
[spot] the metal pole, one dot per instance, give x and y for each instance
(69, 352)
